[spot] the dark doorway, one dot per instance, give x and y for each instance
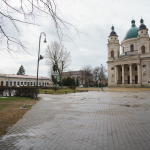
(128, 79)
(1, 83)
(121, 79)
(136, 79)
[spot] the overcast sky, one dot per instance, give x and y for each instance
(93, 18)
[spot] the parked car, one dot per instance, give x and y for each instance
(81, 86)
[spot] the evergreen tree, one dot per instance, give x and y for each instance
(21, 70)
(68, 81)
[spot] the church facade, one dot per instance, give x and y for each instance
(132, 66)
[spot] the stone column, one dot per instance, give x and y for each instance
(139, 73)
(122, 74)
(116, 70)
(130, 73)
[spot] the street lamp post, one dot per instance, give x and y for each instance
(98, 79)
(39, 58)
(102, 76)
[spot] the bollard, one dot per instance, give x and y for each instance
(66, 92)
(45, 92)
(74, 91)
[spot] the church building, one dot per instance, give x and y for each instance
(131, 66)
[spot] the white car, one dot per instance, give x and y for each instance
(81, 86)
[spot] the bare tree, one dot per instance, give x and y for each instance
(57, 54)
(102, 74)
(87, 74)
(96, 72)
(99, 74)
(25, 12)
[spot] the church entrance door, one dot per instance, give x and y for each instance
(136, 79)
(128, 79)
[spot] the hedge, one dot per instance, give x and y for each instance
(25, 91)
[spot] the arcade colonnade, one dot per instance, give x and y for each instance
(127, 74)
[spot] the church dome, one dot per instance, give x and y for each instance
(132, 32)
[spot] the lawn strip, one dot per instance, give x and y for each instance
(10, 111)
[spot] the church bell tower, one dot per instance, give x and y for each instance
(113, 45)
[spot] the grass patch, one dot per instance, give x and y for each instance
(10, 111)
(60, 91)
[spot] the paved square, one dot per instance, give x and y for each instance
(84, 121)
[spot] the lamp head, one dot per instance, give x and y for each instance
(45, 40)
(41, 57)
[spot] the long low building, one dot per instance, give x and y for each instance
(22, 80)
(81, 76)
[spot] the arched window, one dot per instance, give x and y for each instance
(2, 83)
(123, 49)
(112, 53)
(132, 47)
(143, 49)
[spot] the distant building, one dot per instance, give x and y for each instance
(81, 77)
(22, 80)
(132, 66)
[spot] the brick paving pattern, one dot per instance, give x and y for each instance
(84, 121)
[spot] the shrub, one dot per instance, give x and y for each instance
(72, 87)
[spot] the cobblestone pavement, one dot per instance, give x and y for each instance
(84, 121)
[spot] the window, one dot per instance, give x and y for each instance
(112, 68)
(18, 83)
(128, 69)
(123, 49)
(141, 31)
(112, 53)
(143, 49)
(144, 66)
(120, 69)
(21, 83)
(10, 83)
(2, 83)
(6, 83)
(132, 47)
(135, 68)
(111, 38)
(14, 83)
